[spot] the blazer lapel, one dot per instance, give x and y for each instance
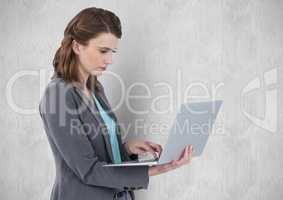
(92, 109)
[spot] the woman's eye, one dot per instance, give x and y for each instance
(103, 51)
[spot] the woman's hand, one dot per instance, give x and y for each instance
(141, 147)
(185, 158)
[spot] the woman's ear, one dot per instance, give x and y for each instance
(76, 47)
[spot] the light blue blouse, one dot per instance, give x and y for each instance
(111, 127)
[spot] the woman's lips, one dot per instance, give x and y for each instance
(100, 69)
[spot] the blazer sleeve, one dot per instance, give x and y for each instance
(76, 150)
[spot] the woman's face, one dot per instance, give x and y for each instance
(97, 54)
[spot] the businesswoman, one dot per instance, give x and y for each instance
(81, 129)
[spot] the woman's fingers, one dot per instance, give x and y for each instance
(185, 157)
(188, 155)
(148, 148)
(156, 147)
(140, 151)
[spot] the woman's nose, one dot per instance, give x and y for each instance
(108, 59)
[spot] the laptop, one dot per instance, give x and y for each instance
(192, 126)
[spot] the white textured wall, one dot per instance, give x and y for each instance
(182, 43)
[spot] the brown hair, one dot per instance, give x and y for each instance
(87, 24)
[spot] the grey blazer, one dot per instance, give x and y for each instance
(81, 146)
